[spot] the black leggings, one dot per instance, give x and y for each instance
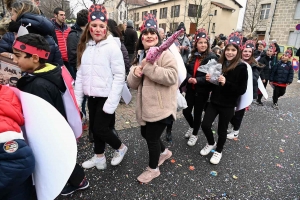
(197, 101)
(225, 115)
(101, 124)
(152, 132)
(278, 92)
(77, 176)
(237, 119)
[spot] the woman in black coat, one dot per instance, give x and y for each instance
(38, 24)
(248, 57)
(198, 88)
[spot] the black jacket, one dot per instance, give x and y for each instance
(47, 85)
(259, 53)
(234, 87)
(256, 69)
(282, 72)
(130, 39)
(202, 85)
(268, 62)
(72, 42)
(39, 25)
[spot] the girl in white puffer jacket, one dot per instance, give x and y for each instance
(101, 76)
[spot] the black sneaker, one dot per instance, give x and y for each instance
(259, 103)
(169, 136)
(69, 189)
(275, 106)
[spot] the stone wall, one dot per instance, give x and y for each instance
(283, 21)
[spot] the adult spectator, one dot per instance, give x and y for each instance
(25, 13)
(184, 43)
(62, 31)
(74, 36)
(130, 39)
(161, 33)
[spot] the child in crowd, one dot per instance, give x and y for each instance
(45, 81)
(156, 97)
(198, 88)
(224, 97)
(247, 56)
(281, 76)
(16, 158)
(101, 76)
(261, 45)
(268, 60)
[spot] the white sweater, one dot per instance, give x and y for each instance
(101, 73)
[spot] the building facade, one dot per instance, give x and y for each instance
(218, 16)
(273, 19)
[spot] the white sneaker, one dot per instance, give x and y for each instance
(233, 134)
(192, 141)
(298, 81)
(230, 129)
(189, 133)
(118, 156)
(215, 159)
(99, 163)
(205, 151)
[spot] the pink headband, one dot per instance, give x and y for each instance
(30, 49)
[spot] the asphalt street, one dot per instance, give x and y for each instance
(262, 164)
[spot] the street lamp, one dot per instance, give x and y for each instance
(210, 16)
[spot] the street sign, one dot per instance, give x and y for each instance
(298, 27)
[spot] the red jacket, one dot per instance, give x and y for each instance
(62, 33)
(11, 116)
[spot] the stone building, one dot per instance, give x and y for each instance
(273, 19)
(217, 16)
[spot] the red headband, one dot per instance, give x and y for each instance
(31, 50)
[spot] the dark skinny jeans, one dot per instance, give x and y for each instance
(196, 100)
(152, 132)
(225, 115)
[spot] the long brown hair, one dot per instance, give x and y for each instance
(233, 63)
(85, 37)
(251, 60)
(194, 50)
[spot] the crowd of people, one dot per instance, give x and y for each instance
(103, 58)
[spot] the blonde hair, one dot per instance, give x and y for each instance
(22, 7)
(85, 37)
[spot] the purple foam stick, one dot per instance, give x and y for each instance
(154, 52)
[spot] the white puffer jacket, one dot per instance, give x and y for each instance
(101, 73)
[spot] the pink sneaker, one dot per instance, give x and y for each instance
(148, 175)
(164, 157)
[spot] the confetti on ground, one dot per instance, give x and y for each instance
(180, 165)
(281, 150)
(127, 122)
(234, 177)
(282, 140)
(173, 161)
(191, 168)
(247, 147)
(279, 165)
(281, 119)
(235, 139)
(213, 151)
(174, 195)
(214, 132)
(213, 173)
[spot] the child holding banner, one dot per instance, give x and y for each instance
(44, 80)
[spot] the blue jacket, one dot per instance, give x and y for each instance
(39, 25)
(15, 169)
(282, 72)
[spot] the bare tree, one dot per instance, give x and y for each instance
(48, 7)
(252, 17)
(198, 11)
